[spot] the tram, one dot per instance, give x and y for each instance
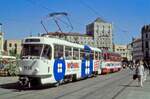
(111, 62)
(47, 60)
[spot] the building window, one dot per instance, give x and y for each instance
(10, 44)
(147, 54)
(146, 35)
(97, 30)
(109, 27)
(15, 45)
(146, 44)
(97, 26)
(103, 29)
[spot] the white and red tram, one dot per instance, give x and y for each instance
(111, 62)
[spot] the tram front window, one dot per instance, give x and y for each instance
(32, 50)
(46, 52)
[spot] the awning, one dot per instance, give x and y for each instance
(7, 57)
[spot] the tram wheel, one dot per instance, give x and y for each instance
(58, 83)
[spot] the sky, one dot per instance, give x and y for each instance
(21, 18)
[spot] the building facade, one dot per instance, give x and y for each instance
(101, 31)
(137, 49)
(13, 47)
(1, 40)
(145, 33)
(129, 51)
(121, 49)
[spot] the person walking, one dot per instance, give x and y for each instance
(140, 73)
(145, 70)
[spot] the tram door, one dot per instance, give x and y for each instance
(87, 63)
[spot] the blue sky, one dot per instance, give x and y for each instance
(20, 18)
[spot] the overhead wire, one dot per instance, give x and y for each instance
(46, 8)
(92, 9)
(39, 5)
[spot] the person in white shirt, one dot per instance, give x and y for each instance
(140, 72)
(145, 70)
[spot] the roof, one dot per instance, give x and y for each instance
(7, 57)
(100, 20)
(146, 28)
(49, 40)
(137, 40)
(64, 34)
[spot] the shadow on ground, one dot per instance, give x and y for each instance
(15, 87)
(129, 85)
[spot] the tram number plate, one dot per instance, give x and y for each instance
(27, 67)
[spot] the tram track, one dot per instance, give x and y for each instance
(95, 83)
(91, 85)
(121, 90)
(103, 89)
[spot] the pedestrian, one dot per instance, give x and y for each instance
(140, 73)
(145, 70)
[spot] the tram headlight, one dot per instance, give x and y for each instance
(20, 69)
(36, 70)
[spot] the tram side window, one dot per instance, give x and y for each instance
(58, 51)
(87, 55)
(96, 55)
(108, 56)
(82, 54)
(100, 55)
(47, 52)
(68, 53)
(92, 55)
(75, 53)
(105, 56)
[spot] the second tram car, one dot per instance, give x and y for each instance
(111, 62)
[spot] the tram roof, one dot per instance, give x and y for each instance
(49, 40)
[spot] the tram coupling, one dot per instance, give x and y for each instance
(24, 83)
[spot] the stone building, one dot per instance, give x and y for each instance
(137, 49)
(121, 49)
(1, 40)
(129, 51)
(101, 31)
(145, 33)
(13, 47)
